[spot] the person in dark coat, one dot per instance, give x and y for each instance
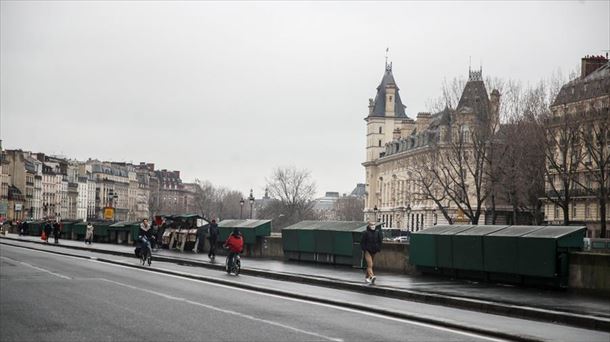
(213, 234)
(47, 230)
(371, 245)
(56, 231)
(201, 232)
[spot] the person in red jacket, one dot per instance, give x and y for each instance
(235, 243)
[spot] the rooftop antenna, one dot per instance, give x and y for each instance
(469, 64)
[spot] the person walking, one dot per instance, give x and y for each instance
(56, 231)
(371, 245)
(47, 230)
(89, 233)
(213, 238)
(201, 231)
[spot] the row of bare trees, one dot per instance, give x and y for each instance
(217, 202)
(484, 164)
(291, 192)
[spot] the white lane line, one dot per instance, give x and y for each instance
(38, 268)
(230, 312)
(356, 311)
(427, 325)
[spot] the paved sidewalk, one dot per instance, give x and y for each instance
(555, 300)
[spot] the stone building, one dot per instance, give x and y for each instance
(583, 105)
(399, 149)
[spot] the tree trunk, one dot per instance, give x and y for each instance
(602, 216)
(493, 209)
(566, 214)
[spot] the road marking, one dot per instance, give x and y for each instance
(372, 314)
(38, 268)
(403, 320)
(230, 312)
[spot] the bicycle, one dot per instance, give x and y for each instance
(233, 267)
(145, 251)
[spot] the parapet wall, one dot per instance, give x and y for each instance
(590, 272)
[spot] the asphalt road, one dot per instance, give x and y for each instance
(48, 297)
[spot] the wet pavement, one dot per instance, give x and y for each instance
(559, 300)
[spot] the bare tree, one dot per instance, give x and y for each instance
(595, 136)
(292, 191)
(204, 198)
(563, 155)
(425, 183)
(349, 208)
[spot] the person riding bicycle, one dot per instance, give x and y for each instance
(144, 235)
(235, 244)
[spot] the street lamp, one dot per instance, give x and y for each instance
(241, 208)
(409, 214)
(251, 199)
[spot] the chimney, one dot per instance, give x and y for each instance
(396, 134)
(371, 106)
(177, 174)
(590, 64)
(423, 121)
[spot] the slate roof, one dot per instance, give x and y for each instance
(474, 97)
(379, 104)
(594, 85)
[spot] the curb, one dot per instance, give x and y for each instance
(504, 309)
(360, 307)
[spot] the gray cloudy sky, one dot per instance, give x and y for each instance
(228, 91)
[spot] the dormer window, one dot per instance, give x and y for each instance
(390, 98)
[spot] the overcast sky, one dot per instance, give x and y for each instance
(225, 92)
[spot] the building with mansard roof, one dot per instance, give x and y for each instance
(583, 102)
(397, 145)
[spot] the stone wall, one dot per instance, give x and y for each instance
(394, 257)
(590, 272)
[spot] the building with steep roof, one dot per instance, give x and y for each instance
(583, 103)
(397, 145)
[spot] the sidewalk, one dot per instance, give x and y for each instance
(505, 299)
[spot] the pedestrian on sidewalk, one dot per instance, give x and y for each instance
(371, 245)
(47, 230)
(56, 231)
(201, 232)
(89, 233)
(213, 238)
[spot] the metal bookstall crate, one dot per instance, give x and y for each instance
(424, 246)
(444, 246)
(35, 227)
(468, 248)
(78, 230)
(544, 253)
(67, 227)
(125, 232)
(333, 242)
(251, 230)
(500, 252)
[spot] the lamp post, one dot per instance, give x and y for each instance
(251, 199)
(408, 214)
(241, 208)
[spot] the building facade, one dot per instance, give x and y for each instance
(580, 119)
(403, 154)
